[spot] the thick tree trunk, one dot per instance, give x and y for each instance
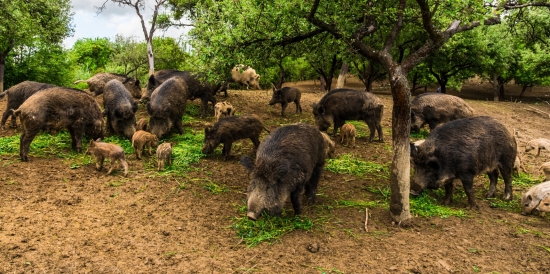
(342, 77)
(281, 75)
(150, 57)
(501, 91)
(401, 163)
(322, 83)
(2, 68)
(495, 88)
(523, 88)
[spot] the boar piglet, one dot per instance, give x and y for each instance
(537, 145)
(545, 168)
(284, 96)
(329, 145)
(347, 132)
(103, 150)
(340, 105)
(141, 124)
(437, 108)
(143, 139)
(230, 129)
(17, 95)
(59, 108)
(532, 198)
(96, 84)
(544, 205)
(462, 149)
(245, 75)
(289, 161)
(167, 106)
(223, 108)
(120, 109)
(164, 154)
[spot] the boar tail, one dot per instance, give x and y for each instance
(78, 81)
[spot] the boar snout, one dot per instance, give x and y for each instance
(252, 216)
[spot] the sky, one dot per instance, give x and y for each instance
(111, 21)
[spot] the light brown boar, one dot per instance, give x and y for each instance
(103, 150)
(531, 199)
(346, 133)
(142, 124)
(537, 144)
(544, 206)
(143, 139)
(164, 154)
(545, 168)
(223, 108)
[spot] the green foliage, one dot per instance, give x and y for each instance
(92, 54)
(350, 164)
(214, 188)
(186, 151)
(422, 134)
(121, 141)
(427, 206)
(524, 181)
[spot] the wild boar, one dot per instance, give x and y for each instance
(96, 84)
(197, 88)
(538, 144)
(230, 129)
(544, 206)
(164, 154)
(103, 150)
(223, 108)
(245, 75)
(462, 149)
(288, 161)
(284, 96)
(437, 108)
(532, 198)
(17, 95)
(347, 132)
(167, 106)
(143, 139)
(120, 109)
(329, 145)
(142, 124)
(340, 105)
(545, 168)
(57, 108)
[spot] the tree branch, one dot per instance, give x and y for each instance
(514, 5)
(396, 27)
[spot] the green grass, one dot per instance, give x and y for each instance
(187, 151)
(215, 188)
(121, 141)
(359, 204)
(422, 134)
(524, 181)
(427, 206)
(351, 164)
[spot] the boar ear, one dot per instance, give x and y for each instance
(98, 140)
(432, 163)
(247, 162)
(91, 141)
(282, 169)
(529, 197)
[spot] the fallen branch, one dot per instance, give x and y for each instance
(538, 111)
(18, 198)
(366, 219)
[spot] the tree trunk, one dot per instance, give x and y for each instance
(495, 88)
(523, 88)
(342, 77)
(281, 75)
(150, 56)
(369, 84)
(501, 91)
(322, 83)
(443, 86)
(401, 163)
(2, 68)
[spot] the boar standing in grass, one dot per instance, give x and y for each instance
(17, 95)
(347, 132)
(340, 105)
(143, 139)
(223, 108)
(120, 109)
(96, 84)
(164, 155)
(141, 124)
(545, 168)
(167, 106)
(329, 146)
(462, 149)
(245, 75)
(544, 206)
(538, 144)
(103, 150)
(532, 198)
(289, 161)
(59, 108)
(230, 129)
(437, 108)
(284, 96)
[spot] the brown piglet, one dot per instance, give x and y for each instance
(103, 150)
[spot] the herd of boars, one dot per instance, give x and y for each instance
(290, 160)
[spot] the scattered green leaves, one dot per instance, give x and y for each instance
(268, 228)
(351, 164)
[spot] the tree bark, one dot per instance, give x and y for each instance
(322, 83)
(342, 77)
(150, 56)
(495, 88)
(281, 75)
(2, 68)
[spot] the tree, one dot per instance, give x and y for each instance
(92, 53)
(25, 22)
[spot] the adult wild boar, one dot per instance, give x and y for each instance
(17, 95)
(437, 108)
(245, 75)
(97, 83)
(284, 96)
(197, 88)
(288, 161)
(57, 108)
(120, 109)
(343, 104)
(462, 149)
(167, 106)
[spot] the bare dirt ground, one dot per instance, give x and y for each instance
(54, 219)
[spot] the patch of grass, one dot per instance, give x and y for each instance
(214, 188)
(512, 205)
(116, 183)
(422, 134)
(544, 247)
(268, 228)
(427, 206)
(361, 129)
(192, 110)
(360, 204)
(524, 180)
(350, 164)
(121, 141)
(187, 151)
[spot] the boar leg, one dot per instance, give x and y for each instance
(380, 132)
(5, 116)
(226, 149)
(353, 141)
(538, 151)
(100, 160)
(448, 193)
(507, 176)
(372, 129)
(337, 125)
(76, 136)
(137, 149)
(283, 106)
(109, 128)
(160, 165)
(311, 186)
(298, 106)
(256, 141)
(111, 165)
(24, 144)
(493, 178)
(179, 125)
(124, 165)
(295, 199)
(468, 185)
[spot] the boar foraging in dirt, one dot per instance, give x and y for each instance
(164, 154)
(437, 108)
(120, 109)
(340, 105)
(17, 95)
(143, 139)
(538, 144)
(97, 83)
(245, 75)
(230, 129)
(347, 132)
(284, 96)
(329, 145)
(58, 108)
(545, 168)
(223, 108)
(532, 198)
(142, 124)
(544, 206)
(462, 149)
(167, 106)
(103, 150)
(288, 161)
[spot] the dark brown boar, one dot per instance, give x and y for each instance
(103, 150)
(58, 108)
(167, 106)
(120, 109)
(437, 108)
(340, 105)
(284, 96)
(289, 161)
(230, 129)
(17, 95)
(96, 84)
